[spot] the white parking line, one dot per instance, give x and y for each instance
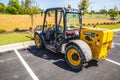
(116, 43)
(32, 74)
(113, 62)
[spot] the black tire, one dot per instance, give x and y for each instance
(79, 65)
(38, 41)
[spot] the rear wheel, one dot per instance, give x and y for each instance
(74, 57)
(38, 41)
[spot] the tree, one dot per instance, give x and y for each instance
(42, 12)
(84, 4)
(14, 4)
(2, 8)
(113, 13)
(31, 8)
(26, 7)
(28, 3)
(12, 10)
(27, 10)
(36, 10)
(92, 12)
(103, 11)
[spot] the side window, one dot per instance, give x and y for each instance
(72, 21)
(50, 19)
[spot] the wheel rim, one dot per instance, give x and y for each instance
(37, 40)
(74, 57)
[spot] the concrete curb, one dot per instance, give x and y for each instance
(20, 45)
(116, 30)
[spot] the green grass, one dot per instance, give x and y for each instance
(98, 16)
(13, 38)
(115, 26)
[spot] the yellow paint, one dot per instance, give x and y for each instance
(53, 25)
(100, 45)
(73, 62)
(37, 40)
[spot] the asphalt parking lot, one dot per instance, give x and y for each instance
(34, 64)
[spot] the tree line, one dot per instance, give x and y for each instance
(84, 4)
(111, 12)
(14, 7)
(29, 7)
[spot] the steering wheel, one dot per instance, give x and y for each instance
(59, 33)
(59, 29)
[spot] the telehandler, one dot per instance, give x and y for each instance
(62, 32)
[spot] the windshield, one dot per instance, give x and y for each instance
(72, 21)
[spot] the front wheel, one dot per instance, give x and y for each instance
(74, 57)
(38, 41)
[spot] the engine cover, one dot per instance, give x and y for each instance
(99, 40)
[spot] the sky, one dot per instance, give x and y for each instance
(95, 4)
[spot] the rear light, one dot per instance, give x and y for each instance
(72, 32)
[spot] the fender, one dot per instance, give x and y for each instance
(39, 33)
(86, 51)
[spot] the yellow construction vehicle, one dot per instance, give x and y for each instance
(62, 32)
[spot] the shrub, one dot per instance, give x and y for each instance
(112, 23)
(83, 24)
(88, 24)
(93, 24)
(108, 23)
(30, 28)
(2, 31)
(16, 29)
(104, 23)
(97, 23)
